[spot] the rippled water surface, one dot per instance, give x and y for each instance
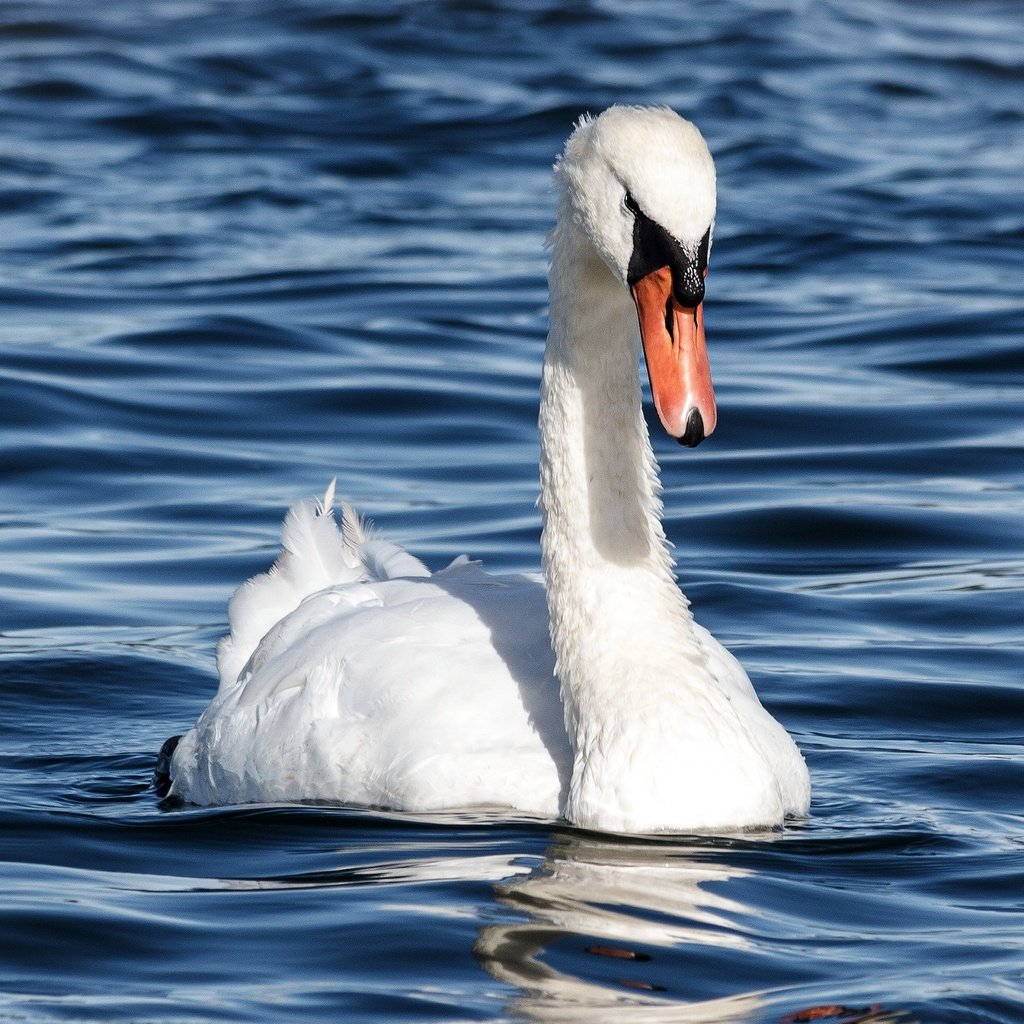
(248, 247)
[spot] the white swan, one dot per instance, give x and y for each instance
(352, 674)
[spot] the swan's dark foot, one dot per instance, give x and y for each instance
(162, 772)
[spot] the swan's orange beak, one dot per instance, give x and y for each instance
(677, 359)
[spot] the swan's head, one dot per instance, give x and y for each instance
(640, 183)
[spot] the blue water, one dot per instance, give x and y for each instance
(247, 247)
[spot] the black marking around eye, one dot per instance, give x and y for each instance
(654, 248)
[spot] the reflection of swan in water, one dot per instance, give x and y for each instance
(611, 897)
(615, 915)
(642, 932)
(609, 925)
(601, 929)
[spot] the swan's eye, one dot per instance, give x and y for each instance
(629, 203)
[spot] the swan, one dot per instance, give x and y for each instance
(354, 675)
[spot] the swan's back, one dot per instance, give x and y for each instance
(385, 686)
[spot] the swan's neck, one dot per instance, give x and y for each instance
(621, 629)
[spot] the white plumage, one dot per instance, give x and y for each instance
(352, 674)
(388, 688)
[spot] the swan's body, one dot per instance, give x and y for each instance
(352, 674)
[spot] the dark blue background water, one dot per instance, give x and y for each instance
(249, 246)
